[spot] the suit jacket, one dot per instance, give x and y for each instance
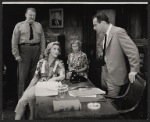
(119, 46)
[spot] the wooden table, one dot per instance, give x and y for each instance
(44, 107)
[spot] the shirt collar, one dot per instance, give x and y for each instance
(28, 22)
(108, 30)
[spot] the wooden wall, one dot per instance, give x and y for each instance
(72, 28)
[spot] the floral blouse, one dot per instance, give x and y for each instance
(44, 70)
(77, 61)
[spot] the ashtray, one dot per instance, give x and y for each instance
(94, 105)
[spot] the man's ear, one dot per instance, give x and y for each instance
(25, 14)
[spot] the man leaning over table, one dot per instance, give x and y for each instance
(118, 46)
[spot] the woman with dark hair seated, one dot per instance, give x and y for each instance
(48, 69)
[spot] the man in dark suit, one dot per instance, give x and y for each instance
(118, 46)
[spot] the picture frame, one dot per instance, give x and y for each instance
(56, 18)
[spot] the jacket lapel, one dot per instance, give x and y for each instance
(109, 40)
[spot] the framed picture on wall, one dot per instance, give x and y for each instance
(56, 18)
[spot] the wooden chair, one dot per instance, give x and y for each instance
(131, 98)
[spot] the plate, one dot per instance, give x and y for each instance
(94, 105)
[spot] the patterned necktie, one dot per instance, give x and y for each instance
(104, 49)
(31, 32)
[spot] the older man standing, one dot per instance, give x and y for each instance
(117, 47)
(28, 45)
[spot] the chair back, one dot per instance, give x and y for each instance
(133, 95)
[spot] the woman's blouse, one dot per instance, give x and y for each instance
(44, 70)
(77, 61)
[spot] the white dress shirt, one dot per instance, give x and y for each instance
(107, 33)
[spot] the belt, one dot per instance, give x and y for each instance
(28, 44)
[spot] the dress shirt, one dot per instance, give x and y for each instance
(44, 70)
(77, 61)
(21, 34)
(107, 33)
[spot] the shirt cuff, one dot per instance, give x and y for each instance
(134, 73)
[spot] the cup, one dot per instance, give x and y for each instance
(62, 90)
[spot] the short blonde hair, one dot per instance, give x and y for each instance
(76, 41)
(49, 46)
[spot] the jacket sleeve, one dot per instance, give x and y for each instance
(130, 50)
(15, 41)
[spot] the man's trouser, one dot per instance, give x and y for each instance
(107, 84)
(30, 57)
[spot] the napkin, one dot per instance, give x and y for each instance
(66, 105)
(46, 88)
(91, 98)
(87, 92)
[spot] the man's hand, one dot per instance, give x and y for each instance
(19, 59)
(132, 76)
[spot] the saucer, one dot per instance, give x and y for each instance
(94, 105)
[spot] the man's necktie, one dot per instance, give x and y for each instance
(31, 32)
(104, 49)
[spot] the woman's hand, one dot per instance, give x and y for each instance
(68, 75)
(82, 69)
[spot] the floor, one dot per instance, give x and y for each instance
(9, 100)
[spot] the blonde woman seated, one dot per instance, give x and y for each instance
(77, 60)
(49, 68)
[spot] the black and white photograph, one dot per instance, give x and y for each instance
(74, 60)
(56, 18)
